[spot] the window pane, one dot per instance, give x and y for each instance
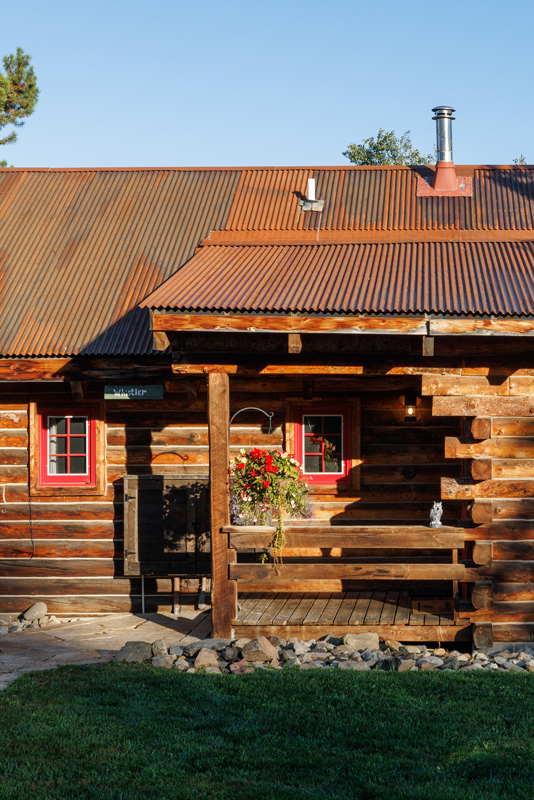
(78, 425)
(312, 464)
(312, 444)
(77, 444)
(313, 425)
(57, 425)
(77, 465)
(333, 465)
(332, 425)
(58, 465)
(58, 446)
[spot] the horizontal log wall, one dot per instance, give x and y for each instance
(69, 550)
(499, 488)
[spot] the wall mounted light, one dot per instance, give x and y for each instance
(410, 404)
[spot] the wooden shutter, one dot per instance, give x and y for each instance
(166, 525)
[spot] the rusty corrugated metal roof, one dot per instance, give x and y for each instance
(80, 248)
(382, 199)
(395, 278)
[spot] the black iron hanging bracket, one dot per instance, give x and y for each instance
(269, 414)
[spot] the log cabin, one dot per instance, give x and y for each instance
(390, 308)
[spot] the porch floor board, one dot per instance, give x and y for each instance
(393, 614)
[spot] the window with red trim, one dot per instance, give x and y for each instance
(67, 447)
(322, 444)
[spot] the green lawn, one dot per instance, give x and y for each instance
(137, 732)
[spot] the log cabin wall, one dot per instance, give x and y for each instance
(497, 401)
(473, 432)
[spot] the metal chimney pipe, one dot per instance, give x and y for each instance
(443, 117)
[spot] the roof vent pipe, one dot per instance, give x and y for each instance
(445, 177)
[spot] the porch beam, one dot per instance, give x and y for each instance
(224, 591)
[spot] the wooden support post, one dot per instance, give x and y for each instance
(160, 341)
(176, 600)
(223, 591)
(428, 345)
(294, 343)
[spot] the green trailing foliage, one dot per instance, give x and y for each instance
(18, 94)
(386, 149)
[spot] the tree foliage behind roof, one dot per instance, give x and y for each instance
(18, 92)
(386, 149)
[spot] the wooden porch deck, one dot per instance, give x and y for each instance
(392, 614)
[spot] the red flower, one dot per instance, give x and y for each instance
(240, 466)
(252, 471)
(266, 484)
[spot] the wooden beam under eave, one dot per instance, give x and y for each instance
(287, 324)
(269, 369)
(342, 324)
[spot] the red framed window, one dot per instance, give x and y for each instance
(67, 447)
(322, 444)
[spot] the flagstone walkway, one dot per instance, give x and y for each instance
(93, 641)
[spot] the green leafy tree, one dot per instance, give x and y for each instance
(386, 149)
(521, 160)
(18, 94)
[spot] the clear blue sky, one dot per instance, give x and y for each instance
(190, 83)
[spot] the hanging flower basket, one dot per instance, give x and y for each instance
(265, 481)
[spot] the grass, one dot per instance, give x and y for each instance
(123, 732)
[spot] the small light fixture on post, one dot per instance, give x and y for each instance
(410, 404)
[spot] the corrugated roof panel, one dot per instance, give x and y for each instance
(392, 278)
(80, 248)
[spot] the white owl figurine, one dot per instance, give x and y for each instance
(435, 515)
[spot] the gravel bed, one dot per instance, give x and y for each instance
(359, 652)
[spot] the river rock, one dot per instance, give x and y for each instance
(241, 667)
(135, 652)
(277, 641)
(176, 650)
(357, 666)
(159, 648)
(206, 658)
(36, 611)
(230, 654)
(259, 650)
(406, 665)
(206, 644)
(163, 661)
(298, 648)
(363, 641)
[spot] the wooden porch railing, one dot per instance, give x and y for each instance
(327, 559)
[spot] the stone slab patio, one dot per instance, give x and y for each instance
(93, 641)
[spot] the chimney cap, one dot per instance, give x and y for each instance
(443, 112)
